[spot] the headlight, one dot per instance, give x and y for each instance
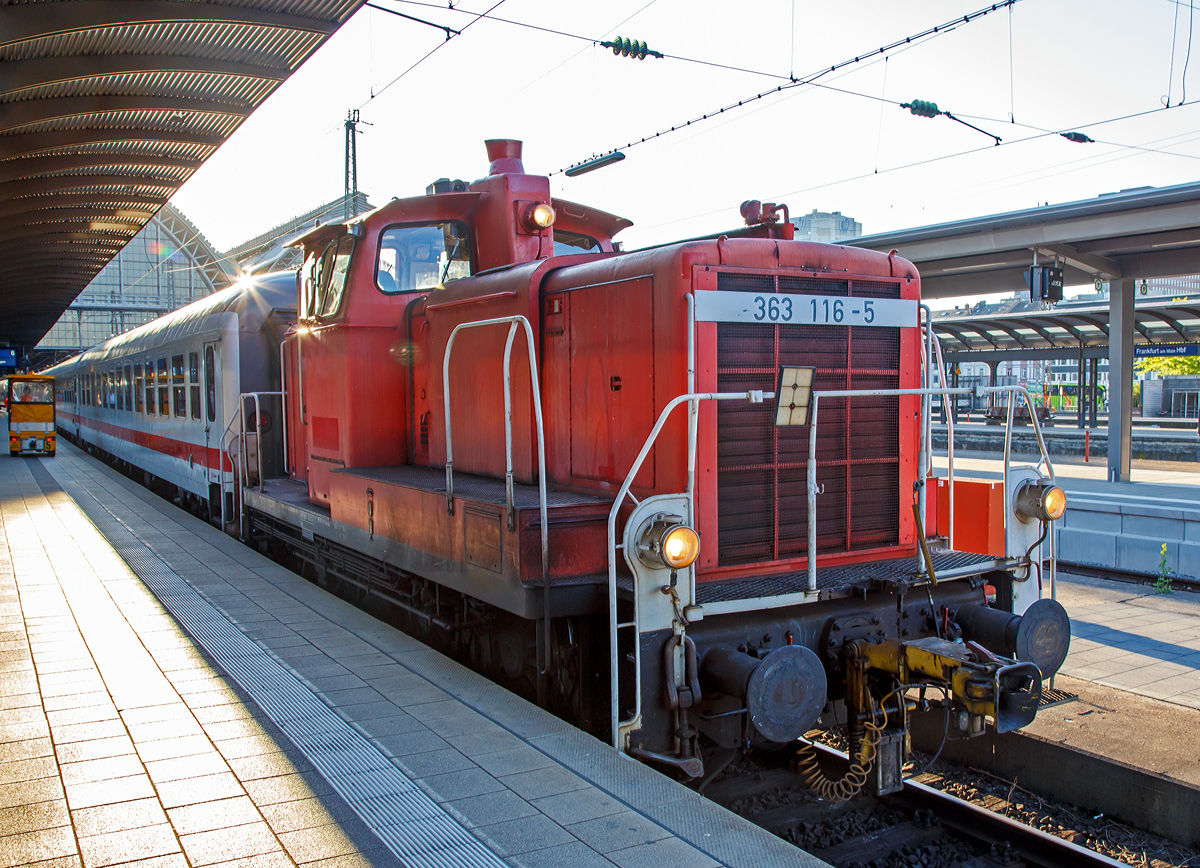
(667, 542)
(538, 217)
(1040, 501)
(680, 547)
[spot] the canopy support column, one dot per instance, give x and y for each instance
(1120, 378)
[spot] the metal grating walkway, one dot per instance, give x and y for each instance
(411, 824)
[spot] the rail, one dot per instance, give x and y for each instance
(619, 726)
(513, 322)
(814, 490)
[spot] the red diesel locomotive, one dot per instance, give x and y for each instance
(669, 492)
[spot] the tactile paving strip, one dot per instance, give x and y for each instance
(410, 823)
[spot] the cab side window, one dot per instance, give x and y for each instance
(425, 256)
(323, 280)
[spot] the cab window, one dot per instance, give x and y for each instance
(567, 243)
(324, 278)
(424, 256)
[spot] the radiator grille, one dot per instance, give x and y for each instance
(762, 475)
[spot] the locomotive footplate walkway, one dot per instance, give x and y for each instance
(168, 694)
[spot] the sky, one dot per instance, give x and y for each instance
(1023, 75)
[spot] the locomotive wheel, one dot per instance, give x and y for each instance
(567, 669)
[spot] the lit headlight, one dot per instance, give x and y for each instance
(666, 542)
(1040, 501)
(680, 547)
(539, 216)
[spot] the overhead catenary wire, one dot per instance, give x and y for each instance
(430, 53)
(963, 153)
(810, 79)
(578, 36)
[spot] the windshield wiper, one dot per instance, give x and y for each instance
(450, 258)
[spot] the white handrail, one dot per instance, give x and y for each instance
(512, 322)
(937, 344)
(618, 725)
(944, 392)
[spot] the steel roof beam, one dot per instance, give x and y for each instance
(27, 143)
(1090, 262)
(32, 20)
(34, 169)
(42, 71)
(1159, 315)
(35, 111)
(50, 217)
(52, 185)
(33, 204)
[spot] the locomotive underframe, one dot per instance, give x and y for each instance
(502, 645)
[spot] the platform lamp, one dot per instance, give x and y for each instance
(794, 394)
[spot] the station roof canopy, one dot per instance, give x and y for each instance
(106, 108)
(1028, 332)
(1142, 233)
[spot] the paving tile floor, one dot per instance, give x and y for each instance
(1132, 638)
(119, 742)
(122, 739)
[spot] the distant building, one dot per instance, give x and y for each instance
(825, 227)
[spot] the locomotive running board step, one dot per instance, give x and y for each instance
(769, 592)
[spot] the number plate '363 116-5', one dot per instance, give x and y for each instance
(717, 306)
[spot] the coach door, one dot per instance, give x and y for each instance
(212, 415)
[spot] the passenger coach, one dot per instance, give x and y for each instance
(162, 398)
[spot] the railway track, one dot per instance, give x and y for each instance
(917, 826)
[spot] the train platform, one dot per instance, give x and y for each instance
(1132, 638)
(169, 697)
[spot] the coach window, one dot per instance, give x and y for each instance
(194, 383)
(164, 389)
(138, 385)
(422, 257)
(150, 391)
(129, 388)
(178, 389)
(105, 388)
(210, 382)
(120, 390)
